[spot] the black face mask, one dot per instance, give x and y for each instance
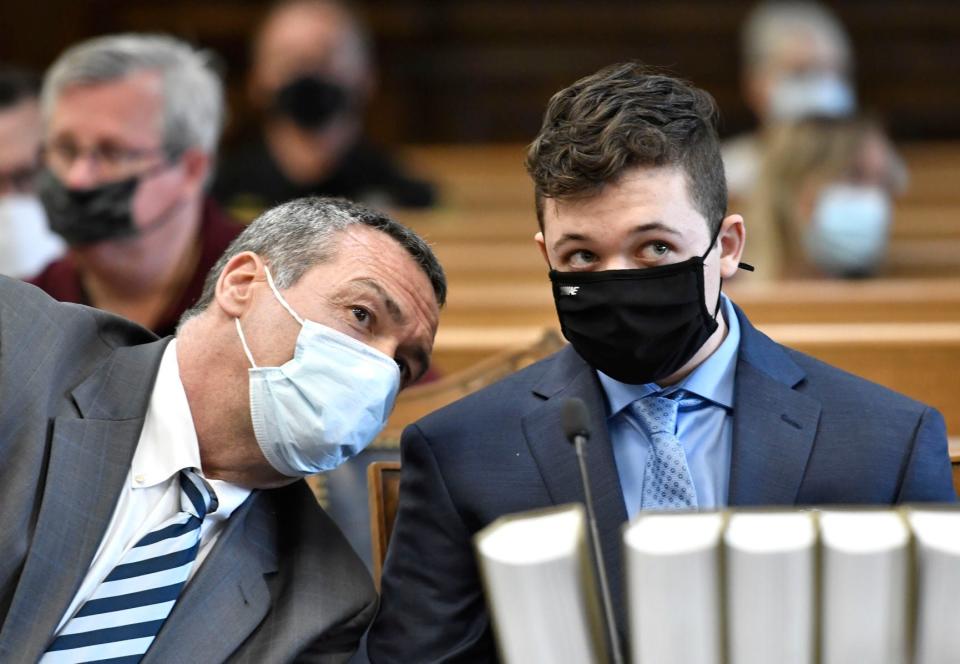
(636, 326)
(311, 102)
(88, 216)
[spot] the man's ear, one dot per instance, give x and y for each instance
(234, 291)
(196, 167)
(732, 236)
(542, 245)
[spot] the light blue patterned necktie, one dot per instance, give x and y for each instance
(667, 483)
(118, 623)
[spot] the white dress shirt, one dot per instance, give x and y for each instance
(151, 493)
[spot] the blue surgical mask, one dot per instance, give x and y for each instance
(323, 406)
(800, 96)
(848, 233)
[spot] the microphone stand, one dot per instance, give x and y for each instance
(579, 441)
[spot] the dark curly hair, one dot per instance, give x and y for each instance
(624, 116)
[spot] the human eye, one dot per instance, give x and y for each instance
(361, 315)
(62, 152)
(655, 250)
(111, 154)
(580, 259)
(404, 368)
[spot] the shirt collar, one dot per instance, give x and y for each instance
(168, 441)
(713, 380)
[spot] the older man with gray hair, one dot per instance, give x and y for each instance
(131, 124)
(153, 507)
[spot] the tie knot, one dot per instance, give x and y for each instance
(196, 495)
(657, 414)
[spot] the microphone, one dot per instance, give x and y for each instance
(575, 421)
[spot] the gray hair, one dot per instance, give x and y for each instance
(769, 24)
(297, 235)
(192, 91)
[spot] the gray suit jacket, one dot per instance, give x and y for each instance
(280, 584)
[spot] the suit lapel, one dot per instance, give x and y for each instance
(557, 460)
(88, 464)
(774, 425)
(228, 597)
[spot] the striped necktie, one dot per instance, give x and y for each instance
(667, 483)
(119, 621)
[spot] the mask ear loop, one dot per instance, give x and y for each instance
(283, 303)
(243, 342)
(279, 297)
(703, 258)
(741, 265)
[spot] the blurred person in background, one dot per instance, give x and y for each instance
(131, 124)
(797, 61)
(823, 205)
(311, 80)
(26, 242)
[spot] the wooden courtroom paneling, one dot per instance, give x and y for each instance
(482, 70)
(920, 360)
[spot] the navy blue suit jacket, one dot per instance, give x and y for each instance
(804, 433)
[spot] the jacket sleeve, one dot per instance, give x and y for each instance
(431, 608)
(339, 645)
(928, 476)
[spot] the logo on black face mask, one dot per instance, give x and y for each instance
(569, 290)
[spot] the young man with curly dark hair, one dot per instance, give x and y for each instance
(691, 407)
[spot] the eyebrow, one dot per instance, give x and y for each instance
(642, 228)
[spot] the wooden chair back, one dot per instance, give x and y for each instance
(383, 489)
(414, 403)
(955, 461)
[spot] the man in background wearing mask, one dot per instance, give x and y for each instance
(151, 488)
(310, 81)
(26, 242)
(797, 63)
(634, 228)
(131, 124)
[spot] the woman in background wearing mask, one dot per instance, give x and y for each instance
(823, 204)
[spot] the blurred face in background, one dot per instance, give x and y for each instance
(307, 39)
(808, 73)
(311, 79)
(843, 216)
(105, 133)
(26, 243)
(19, 146)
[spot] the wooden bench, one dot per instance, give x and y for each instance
(500, 302)
(920, 360)
(479, 176)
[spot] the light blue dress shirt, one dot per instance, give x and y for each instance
(705, 433)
